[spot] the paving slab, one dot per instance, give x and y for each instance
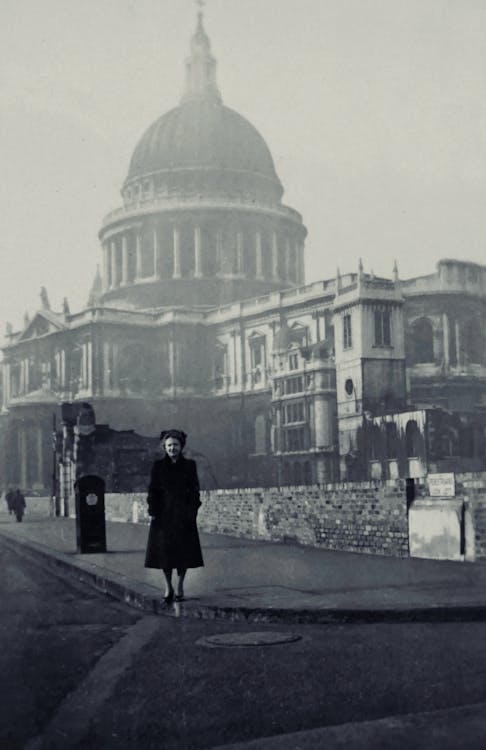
(259, 580)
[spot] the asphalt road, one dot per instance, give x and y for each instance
(81, 671)
(51, 634)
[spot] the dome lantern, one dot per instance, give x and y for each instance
(201, 68)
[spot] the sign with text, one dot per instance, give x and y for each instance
(441, 485)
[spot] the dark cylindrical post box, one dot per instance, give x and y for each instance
(90, 514)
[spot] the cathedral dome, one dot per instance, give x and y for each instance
(202, 221)
(202, 134)
(201, 146)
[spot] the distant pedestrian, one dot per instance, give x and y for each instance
(9, 496)
(173, 503)
(18, 504)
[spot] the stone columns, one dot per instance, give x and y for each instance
(301, 264)
(22, 388)
(113, 264)
(156, 253)
(83, 366)
(274, 255)
(89, 364)
(138, 254)
(219, 251)
(176, 273)
(288, 255)
(106, 366)
(458, 344)
(258, 256)
(106, 267)
(6, 385)
(23, 455)
(124, 279)
(240, 265)
(445, 333)
(197, 253)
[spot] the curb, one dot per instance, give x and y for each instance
(141, 596)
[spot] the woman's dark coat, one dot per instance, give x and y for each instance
(173, 502)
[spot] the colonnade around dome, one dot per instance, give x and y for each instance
(161, 249)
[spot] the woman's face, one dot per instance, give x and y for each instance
(172, 447)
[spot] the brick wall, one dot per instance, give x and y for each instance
(358, 517)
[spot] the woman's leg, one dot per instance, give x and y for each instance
(169, 591)
(181, 573)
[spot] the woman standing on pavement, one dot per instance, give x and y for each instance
(173, 503)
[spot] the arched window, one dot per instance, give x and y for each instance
(472, 342)
(376, 443)
(412, 439)
(391, 440)
(422, 341)
(307, 472)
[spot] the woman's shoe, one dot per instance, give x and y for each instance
(169, 598)
(179, 597)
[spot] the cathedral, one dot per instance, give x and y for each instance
(201, 318)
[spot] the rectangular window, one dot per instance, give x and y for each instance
(258, 357)
(294, 385)
(293, 361)
(382, 328)
(294, 439)
(258, 353)
(347, 334)
(294, 412)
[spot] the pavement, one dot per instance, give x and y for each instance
(261, 581)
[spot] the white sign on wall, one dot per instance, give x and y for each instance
(441, 485)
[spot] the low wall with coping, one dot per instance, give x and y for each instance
(355, 517)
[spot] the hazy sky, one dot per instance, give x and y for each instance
(374, 111)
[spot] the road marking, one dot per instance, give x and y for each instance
(73, 716)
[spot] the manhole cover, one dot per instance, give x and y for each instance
(245, 640)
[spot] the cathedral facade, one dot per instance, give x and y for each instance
(201, 319)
